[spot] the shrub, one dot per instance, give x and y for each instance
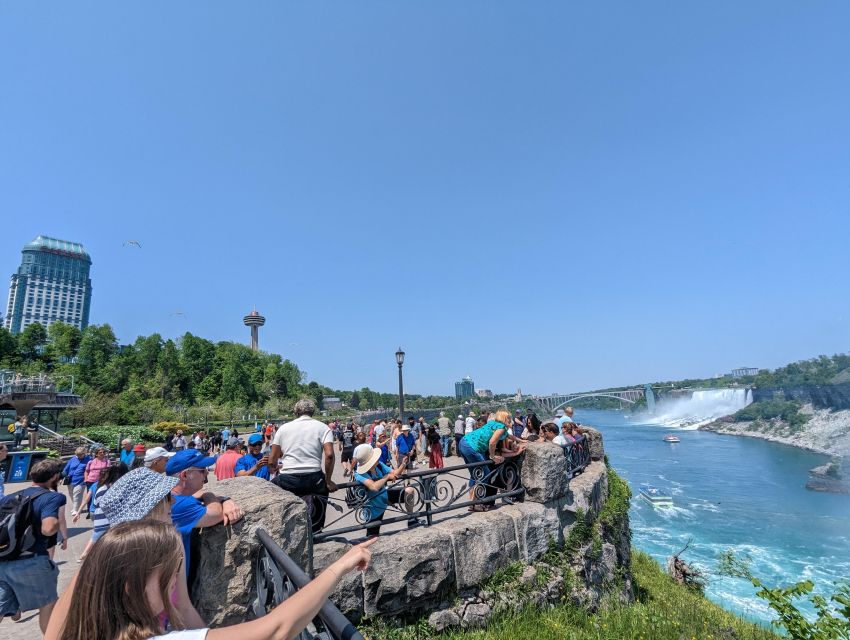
(110, 435)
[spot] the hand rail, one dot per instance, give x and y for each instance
(271, 590)
(578, 456)
(64, 437)
(429, 492)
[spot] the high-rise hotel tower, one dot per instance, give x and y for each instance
(51, 284)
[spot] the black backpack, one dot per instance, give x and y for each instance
(18, 525)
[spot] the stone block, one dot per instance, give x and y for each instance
(224, 588)
(483, 543)
(544, 472)
(588, 490)
(348, 595)
(594, 443)
(537, 526)
(411, 571)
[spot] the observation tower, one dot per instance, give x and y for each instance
(255, 321)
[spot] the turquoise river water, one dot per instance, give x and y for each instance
(730, 492)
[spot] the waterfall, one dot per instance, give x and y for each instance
(701, 408)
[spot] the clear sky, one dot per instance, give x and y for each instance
(554, 196)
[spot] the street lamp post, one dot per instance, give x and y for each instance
(399, 358)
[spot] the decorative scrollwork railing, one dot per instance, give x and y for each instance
(424, 494)
(277, 577)
(577, 454)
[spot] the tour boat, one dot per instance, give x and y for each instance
(655, 496)
(671, 438)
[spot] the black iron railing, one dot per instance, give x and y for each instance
(277, 577)
(426, 493)
(577, 454)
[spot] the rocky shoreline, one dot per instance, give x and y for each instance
(826, 432)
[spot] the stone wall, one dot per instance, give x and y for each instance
(420, 570)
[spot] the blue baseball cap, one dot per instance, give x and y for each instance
(188, 459)
(255, 438)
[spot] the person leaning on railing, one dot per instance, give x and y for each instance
(480, 445)
(374, 475)
(113, 598)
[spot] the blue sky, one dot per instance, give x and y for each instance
(553, 196)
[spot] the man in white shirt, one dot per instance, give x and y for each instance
(470, 423)
(300, 445)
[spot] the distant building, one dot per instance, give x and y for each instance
(464, 388)
(518, 396)
(744, 371)
(484, 393)
(51, 284)
(332, 403)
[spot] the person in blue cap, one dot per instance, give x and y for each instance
(193, 508)
(254, 463)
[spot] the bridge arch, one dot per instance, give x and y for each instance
(590, 395)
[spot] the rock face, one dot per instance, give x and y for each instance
(224, 585)
(410, 572)
(589, 489)
(544, 472)
(482, 545)
(595, 445)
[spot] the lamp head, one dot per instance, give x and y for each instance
(399, 356)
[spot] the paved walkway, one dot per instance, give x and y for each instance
(80, 533)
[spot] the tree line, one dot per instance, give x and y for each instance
(190, 379)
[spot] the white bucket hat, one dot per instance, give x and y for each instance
(366, 457)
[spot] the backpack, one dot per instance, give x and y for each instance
(18, 525)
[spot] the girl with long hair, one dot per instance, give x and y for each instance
(125, 588)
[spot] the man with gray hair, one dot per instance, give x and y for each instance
(300, 445)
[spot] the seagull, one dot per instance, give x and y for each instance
(134, 243)
(176, 313)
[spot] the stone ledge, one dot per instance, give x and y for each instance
(224, 583)
(588, 490)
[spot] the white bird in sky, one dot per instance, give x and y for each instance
(134, 243)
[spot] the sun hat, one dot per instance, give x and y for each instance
(157, 452)
(406, 427)
(366, 457)
(134, 495)
(232, 442)
(255, 438)
(188, 459)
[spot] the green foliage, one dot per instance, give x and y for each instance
(170, 427)
(616, 506)
(664, 610)
(31, 342)
(832, 621)
(580, 533)
(111, 435)
(787, 411)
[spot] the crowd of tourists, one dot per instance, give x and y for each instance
(146, 504)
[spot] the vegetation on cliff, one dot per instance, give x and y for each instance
(663, 610)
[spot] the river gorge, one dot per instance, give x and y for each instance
(730, 492)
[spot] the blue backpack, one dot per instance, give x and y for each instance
(18, 524)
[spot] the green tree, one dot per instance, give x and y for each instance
(65, 339)
(8, 347)
(31, 342)
(97, 346)
(354, 402)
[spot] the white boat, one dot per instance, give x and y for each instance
(671, 438)
(655, 496)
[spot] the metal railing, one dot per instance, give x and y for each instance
(277, 577)
(16, 383)
(577, 454)
(425, 494)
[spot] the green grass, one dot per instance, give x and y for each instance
(664, 611)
